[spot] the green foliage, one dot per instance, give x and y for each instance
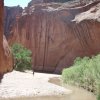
(98, 95)
(85, 73)
(22, 57)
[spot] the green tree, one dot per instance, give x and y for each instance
(22, 57)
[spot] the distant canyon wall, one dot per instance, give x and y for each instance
(6, 60)
(10, 14)
(57, 34)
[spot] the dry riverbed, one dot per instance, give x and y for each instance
(24, 86)
(20, 84)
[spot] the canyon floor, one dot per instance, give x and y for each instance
(40, 86)
(20, 84)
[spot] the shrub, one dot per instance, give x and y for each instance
(85, 73)
(22, 57)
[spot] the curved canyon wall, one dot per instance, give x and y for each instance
(6, 61)
(57, 34)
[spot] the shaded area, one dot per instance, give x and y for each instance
(6, 60)
(78, 92)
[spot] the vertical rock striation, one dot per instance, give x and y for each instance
(10, 14)
(6, 61)
(57, 34)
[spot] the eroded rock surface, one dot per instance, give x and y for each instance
(6, 61)
(10, 18)
(57, 34)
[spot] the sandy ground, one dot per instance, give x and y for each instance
(18, 84)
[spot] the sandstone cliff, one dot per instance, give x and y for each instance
(57, 34)
(6, 61)
(10, 14)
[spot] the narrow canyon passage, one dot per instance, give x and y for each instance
(41, 86)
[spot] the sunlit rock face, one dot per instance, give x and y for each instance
(57, 34)
(42, 1)
(6, 61)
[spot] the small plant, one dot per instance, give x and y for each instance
(98, 97)
(22, 57)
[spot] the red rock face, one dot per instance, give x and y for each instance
(57, 36)
(10, 14)
(6, 61)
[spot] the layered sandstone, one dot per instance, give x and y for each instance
(6, 61)
(57, 34)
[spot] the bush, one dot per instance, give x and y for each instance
(98, 97)
(85, 73)
(22, 57)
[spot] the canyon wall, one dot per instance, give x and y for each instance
(10, 18)
(6, 61)
(57, 34)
